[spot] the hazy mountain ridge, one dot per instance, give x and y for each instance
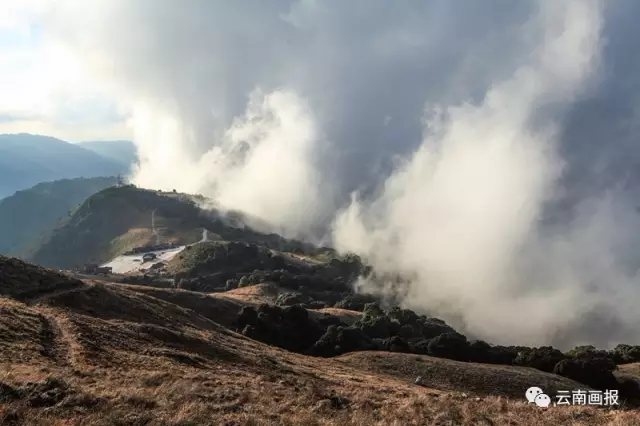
(26, 160)
(28, 214)
(124, 152)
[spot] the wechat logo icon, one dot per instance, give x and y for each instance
(537, 396)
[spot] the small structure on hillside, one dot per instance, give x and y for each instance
(142, 249)
(147, 257)
(104, 270)
(93, 269)
(89, 268)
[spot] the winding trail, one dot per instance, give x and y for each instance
(55, 338)
(56, 334)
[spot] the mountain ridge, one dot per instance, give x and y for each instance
(32, 212)
(123, 151)
(27, 159)
(118, 219)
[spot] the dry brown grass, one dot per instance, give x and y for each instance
(253, 295)
(278, 395)
(471, 378)
(116, 356)
(22, 281)
(217, 308)
(173, 232)
(632, 369)
(629, 372)
(346, 316)
(300, 258)
(134, 237)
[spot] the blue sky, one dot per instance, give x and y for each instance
(15, 38)
(45, 90)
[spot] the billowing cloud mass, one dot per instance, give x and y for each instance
(482, 150)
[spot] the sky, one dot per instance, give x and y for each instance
(45, 89)
(485, 152)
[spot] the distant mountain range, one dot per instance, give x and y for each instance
(124, 152)
(26, 160)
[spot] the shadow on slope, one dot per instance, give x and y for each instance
(450, 375)
(27, 282)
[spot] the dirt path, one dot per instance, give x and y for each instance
(55, 340)
(56, 335)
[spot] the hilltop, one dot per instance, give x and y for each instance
(115, 220)
(90, 352)
(119, 219)
(26, 160)
(28, 215)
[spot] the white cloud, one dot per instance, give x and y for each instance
(17, 15)
(461, 217)
(45, 88)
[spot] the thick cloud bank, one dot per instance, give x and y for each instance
(482, 150)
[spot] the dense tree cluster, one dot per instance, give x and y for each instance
(355, 302)
(402, 330)
(289, 328)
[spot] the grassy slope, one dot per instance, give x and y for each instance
(199, 257)
(473, 378)
(114, 355)
(194, 257)
(115, 220)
